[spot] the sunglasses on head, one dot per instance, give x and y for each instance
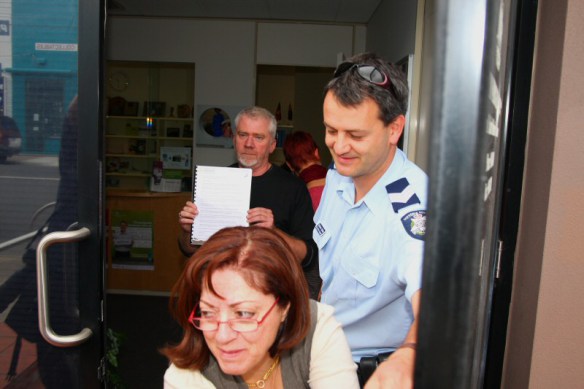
(367, 72)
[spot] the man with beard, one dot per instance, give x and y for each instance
(279, 200)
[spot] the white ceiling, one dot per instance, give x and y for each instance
(333, 11)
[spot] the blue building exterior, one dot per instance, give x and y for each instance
(44, 70)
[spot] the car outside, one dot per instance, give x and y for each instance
(10, 139)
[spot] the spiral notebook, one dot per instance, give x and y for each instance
(222, 195)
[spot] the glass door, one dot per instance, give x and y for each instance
(51, 277)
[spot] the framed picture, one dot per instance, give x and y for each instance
(116, 106)
(184, 111)
(176, 157)
(154, 108)
(187, 131)
(212, 121)
(137, 146)
(131, 108)
(214, 127)
(132, 238)
(173, 132)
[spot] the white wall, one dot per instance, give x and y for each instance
(225, 53)
(391, 31)
(302, 44)
(394, 32)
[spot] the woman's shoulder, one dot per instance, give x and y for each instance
(324, 312)
(327, 325)
(175, 377)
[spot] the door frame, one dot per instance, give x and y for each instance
(466, 193)
(516, 139)
(90, 183)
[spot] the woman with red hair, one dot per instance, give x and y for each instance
(242, 301)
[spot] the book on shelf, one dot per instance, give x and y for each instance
(137, 146)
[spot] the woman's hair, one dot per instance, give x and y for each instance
(299, 149)
(350, 89)
(268, 265)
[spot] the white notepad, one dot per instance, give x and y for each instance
(222, 195)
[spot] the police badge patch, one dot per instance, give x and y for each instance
(415, 224)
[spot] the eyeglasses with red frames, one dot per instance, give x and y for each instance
(239, 325)
(367, 72)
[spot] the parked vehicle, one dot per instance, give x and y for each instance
(10, 139)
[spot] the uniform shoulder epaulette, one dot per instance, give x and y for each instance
(402, 195)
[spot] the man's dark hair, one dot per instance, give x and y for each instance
(351, 89)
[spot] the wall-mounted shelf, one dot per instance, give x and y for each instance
(149, 111)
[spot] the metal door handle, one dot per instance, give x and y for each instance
(42, 289)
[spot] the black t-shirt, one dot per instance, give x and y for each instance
(288, 198)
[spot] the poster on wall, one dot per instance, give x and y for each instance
(215, 125)
(132, 240)
(176, 157)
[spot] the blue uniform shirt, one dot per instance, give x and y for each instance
(371, 254)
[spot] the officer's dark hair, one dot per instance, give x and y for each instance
(350, 89)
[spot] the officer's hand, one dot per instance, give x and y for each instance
(262, 217)
(396, 372)
(187, 215)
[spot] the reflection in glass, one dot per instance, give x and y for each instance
(39, 189)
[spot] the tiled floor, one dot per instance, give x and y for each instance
(27, 375)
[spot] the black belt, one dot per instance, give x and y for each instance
(367, 366)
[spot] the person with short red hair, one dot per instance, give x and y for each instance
(303, 158)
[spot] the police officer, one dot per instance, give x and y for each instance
(371, 221)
